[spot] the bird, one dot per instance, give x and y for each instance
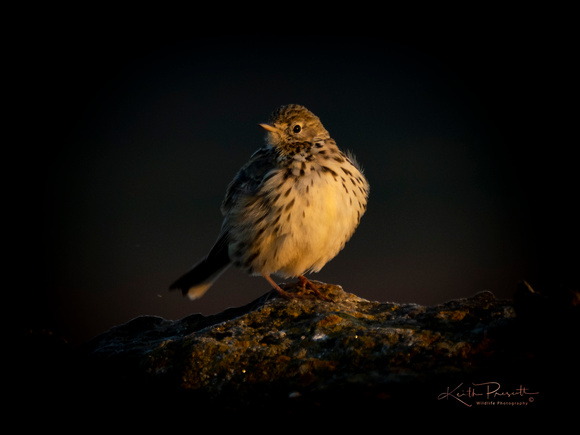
(288, 211)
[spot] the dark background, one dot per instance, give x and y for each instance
(464, 139)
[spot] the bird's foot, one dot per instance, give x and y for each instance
(314, 288)
(282, 293)
(307, 289)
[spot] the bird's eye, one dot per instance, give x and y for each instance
(297, 128)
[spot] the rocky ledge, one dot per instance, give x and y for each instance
(351, 353)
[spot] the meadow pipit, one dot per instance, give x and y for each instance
(289, 210)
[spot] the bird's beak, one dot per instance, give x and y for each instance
(270, 128)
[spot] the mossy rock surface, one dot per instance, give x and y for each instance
(309, 353)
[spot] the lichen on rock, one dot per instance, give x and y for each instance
(309, 351)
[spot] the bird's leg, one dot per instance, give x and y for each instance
(305, 282)
(282, 293)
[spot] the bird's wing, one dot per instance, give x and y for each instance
(248, 179)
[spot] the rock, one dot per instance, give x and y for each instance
(304, 355)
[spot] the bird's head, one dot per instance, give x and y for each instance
(293, 124)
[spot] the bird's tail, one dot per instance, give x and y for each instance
(201, 276)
